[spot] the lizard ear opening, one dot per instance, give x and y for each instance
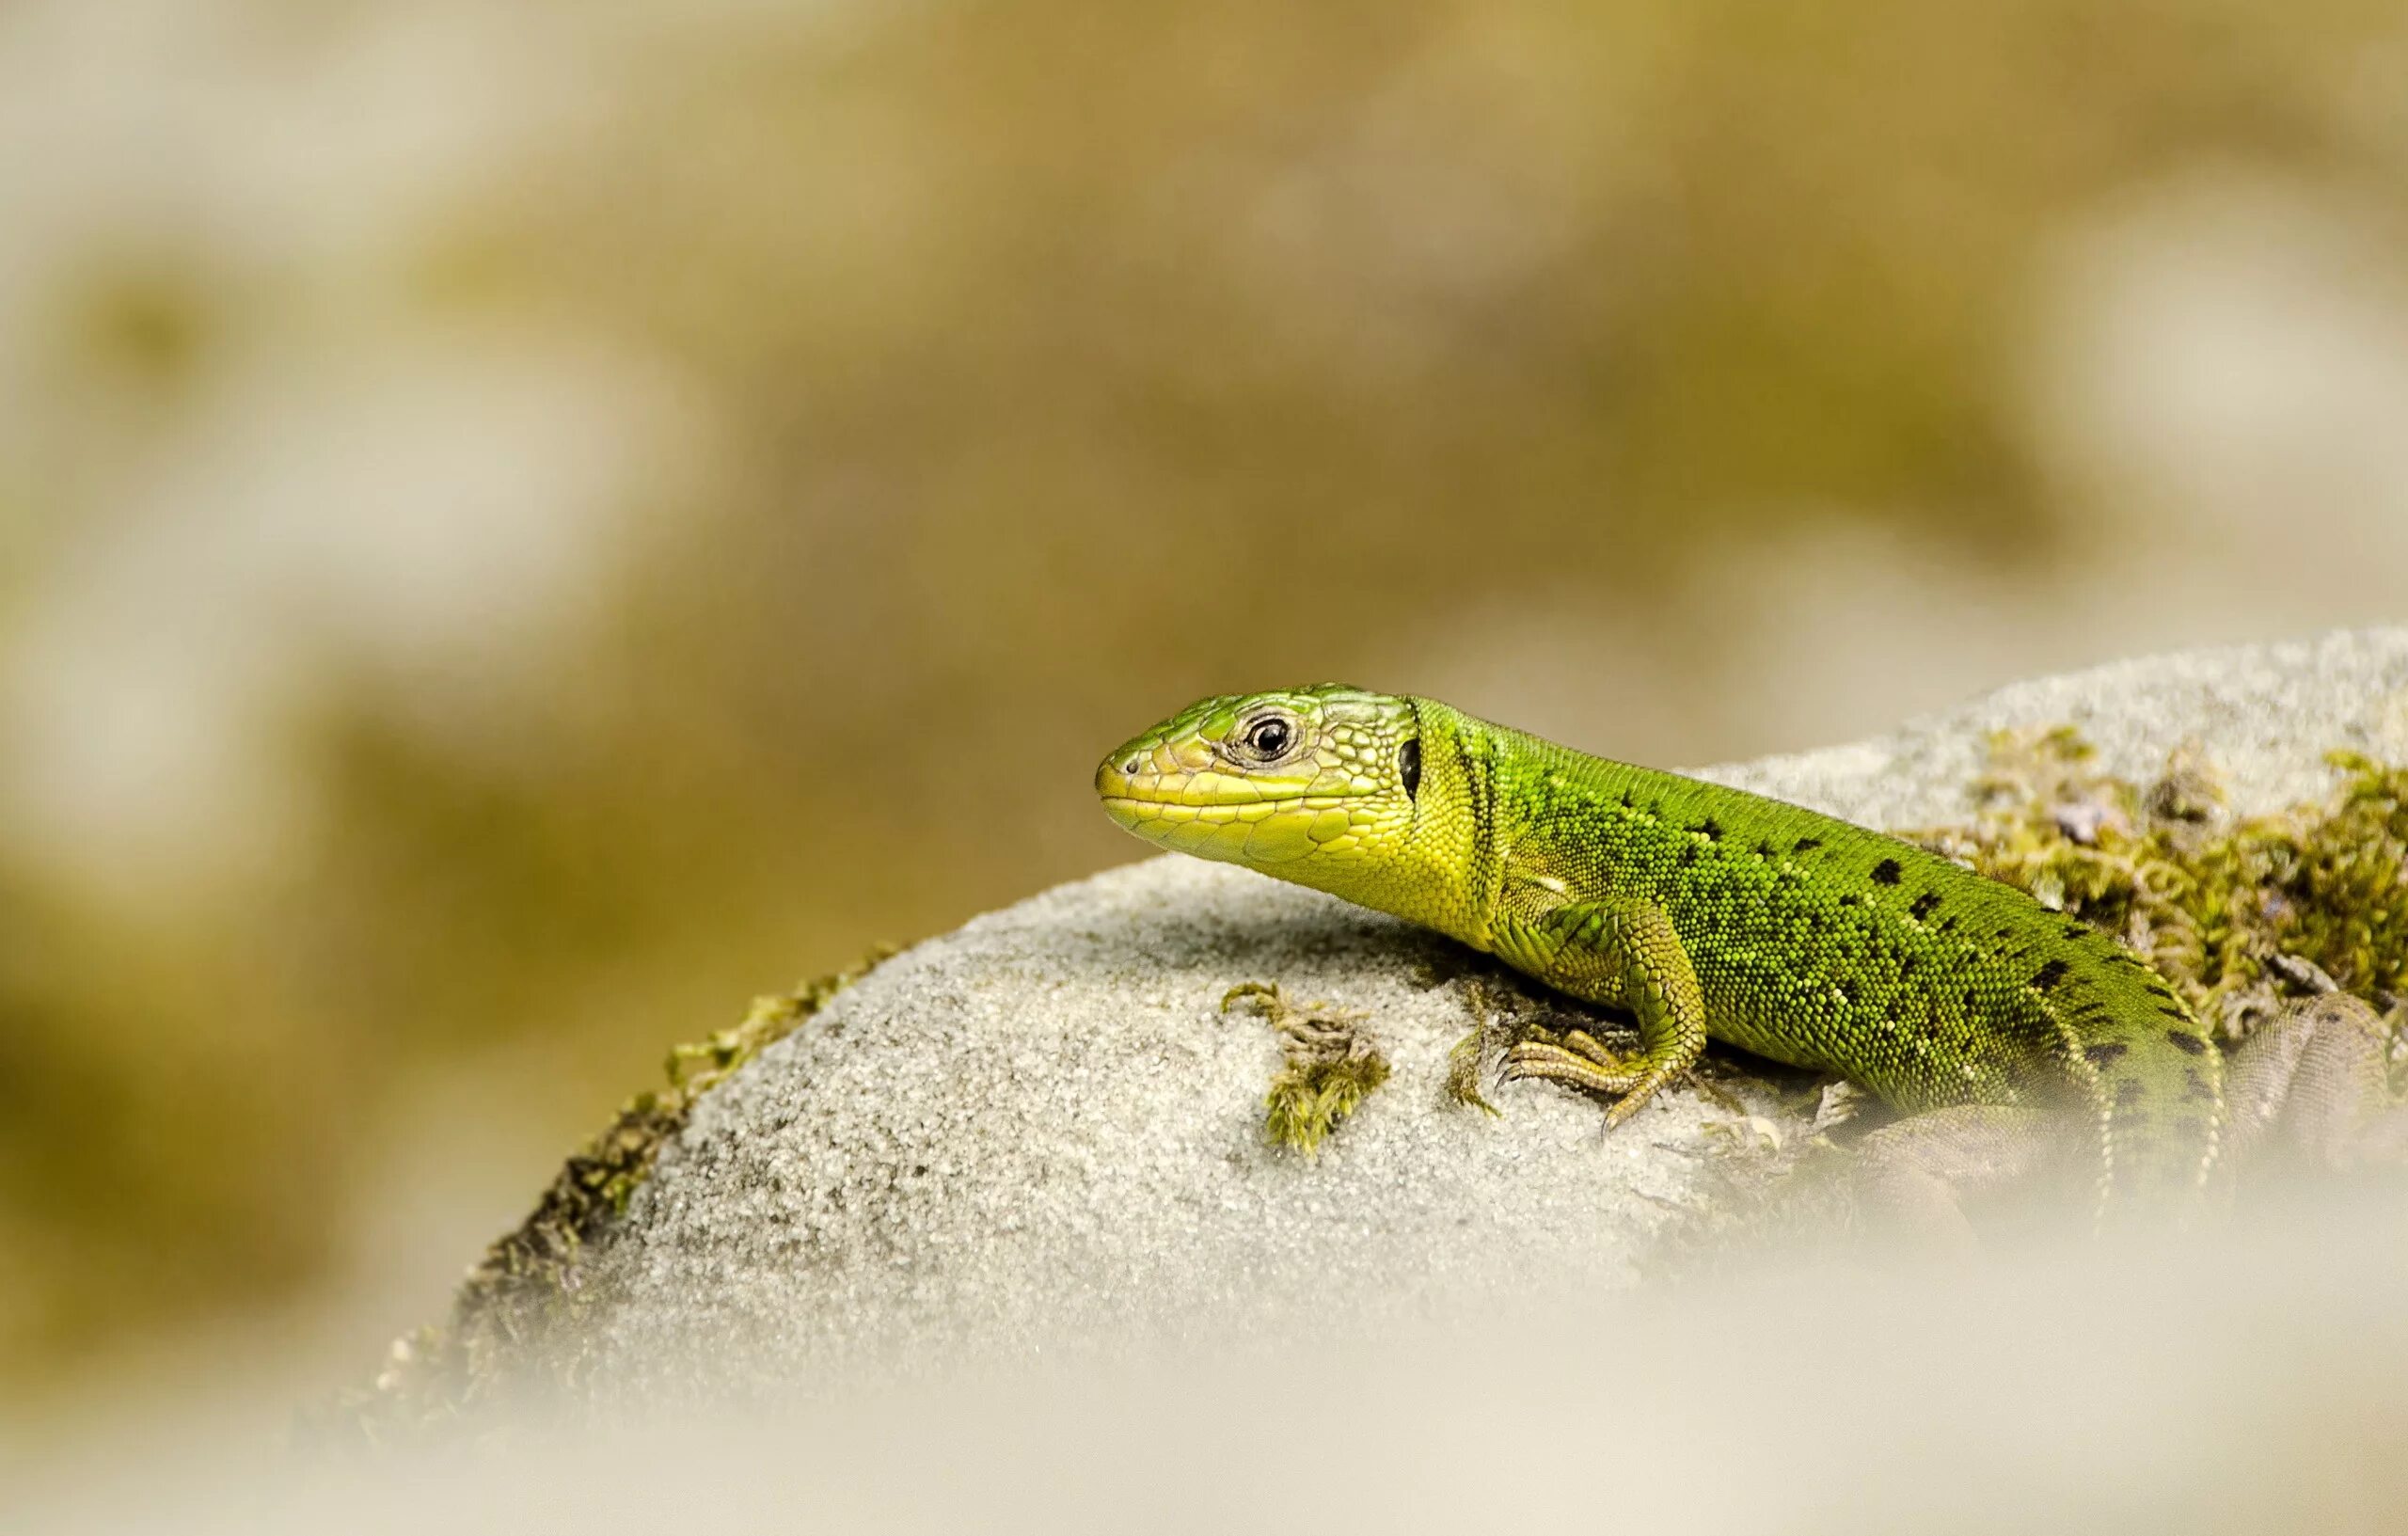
(1408, 765)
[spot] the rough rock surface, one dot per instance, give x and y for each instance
(1040, 1130)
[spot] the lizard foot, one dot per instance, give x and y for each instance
(1580, 1062)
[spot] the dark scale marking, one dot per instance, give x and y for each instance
(2049, 975)
(1848, 900)
(1887, 872)
(1924, 904)
(2182, 1013)
(1688, 855)
(1948, 925)
(2184, 1040)
(1969, 1000)
(1710, 828)
(2131, 1091)
(1847, 989)
(1805, 845)
(1763, 851)
(2006, 933)
(2196, 1086)
(2100, 1055)
(2078, 930)
(1906, 964)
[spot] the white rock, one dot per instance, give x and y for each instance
(1039, 1133)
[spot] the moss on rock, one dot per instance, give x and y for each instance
(2237, 913)
(507, 1330)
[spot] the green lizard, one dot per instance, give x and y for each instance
(2002, 1029)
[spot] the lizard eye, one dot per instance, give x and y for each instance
(1269, 737)
(1408, 767)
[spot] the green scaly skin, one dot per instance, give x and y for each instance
(1705, 911)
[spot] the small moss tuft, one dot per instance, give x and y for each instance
(1328, 1066)
(1464, 1060)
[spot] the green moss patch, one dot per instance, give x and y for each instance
(2237, 913)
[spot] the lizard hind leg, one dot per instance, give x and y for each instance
(1913, 1176)
(2314, 1084)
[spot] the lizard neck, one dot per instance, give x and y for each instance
(1436, 871)
(1446, 873)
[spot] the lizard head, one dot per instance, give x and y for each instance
(1305, 783)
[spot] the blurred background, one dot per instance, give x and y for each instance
(524, 526)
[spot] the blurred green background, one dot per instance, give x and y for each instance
(523, 526)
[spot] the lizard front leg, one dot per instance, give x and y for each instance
(1617, 952)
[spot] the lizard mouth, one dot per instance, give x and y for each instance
(1135, 811)
(1128, 810)
(1125, 794)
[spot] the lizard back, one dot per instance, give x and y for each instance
(1822, 944)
